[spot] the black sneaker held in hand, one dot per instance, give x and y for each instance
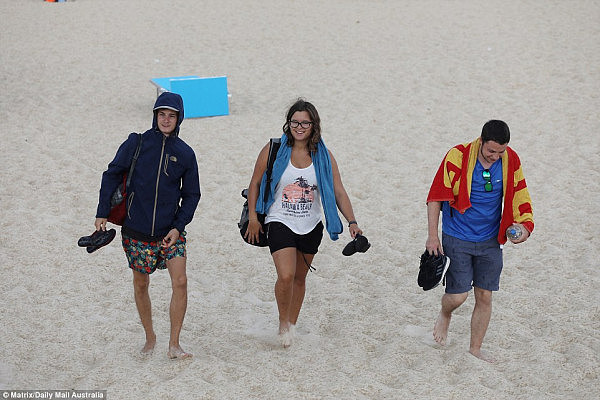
(432, 270)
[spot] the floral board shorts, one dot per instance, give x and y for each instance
(146, 257)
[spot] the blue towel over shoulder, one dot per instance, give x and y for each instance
(322, 163)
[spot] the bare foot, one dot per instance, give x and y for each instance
(177, 353)
(440, 329)
(148, 348)
(285, 334)
(286, 339)
(483, 356)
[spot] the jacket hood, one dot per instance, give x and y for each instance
(171, 101)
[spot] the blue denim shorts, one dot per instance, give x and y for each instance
(472, 264)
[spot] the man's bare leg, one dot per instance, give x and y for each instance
(450, 302)
(176, 267)
(141, 282)
(479, 323)
(285, 263)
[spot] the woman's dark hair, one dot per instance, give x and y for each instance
(495, 130)
(315, 136)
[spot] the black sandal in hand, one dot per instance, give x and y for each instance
(359, 244)
(96, 240)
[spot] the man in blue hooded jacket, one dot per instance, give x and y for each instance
(161, 200)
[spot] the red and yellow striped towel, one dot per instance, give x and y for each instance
(452, 183)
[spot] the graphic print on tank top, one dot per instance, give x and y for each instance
(298, 198)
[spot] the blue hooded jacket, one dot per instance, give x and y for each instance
(165, 186)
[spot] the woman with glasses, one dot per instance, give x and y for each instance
(305, 184)
(481, 192)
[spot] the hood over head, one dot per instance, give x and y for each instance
(171, 101)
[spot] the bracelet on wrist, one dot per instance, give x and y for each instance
(352, 222)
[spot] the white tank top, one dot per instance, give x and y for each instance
(297, 202)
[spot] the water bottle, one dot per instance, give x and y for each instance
(514, 232)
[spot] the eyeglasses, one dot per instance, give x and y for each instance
(304, 124)
(488, 180)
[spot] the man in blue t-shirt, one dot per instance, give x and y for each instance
(471, 224)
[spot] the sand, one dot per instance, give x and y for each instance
(397, 84)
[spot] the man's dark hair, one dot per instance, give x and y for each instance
(495, 130)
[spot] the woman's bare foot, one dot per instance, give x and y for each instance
(286, 339)
(482, 355)
(285, 334)
(177, 353)
(440, 329)
(148, 348)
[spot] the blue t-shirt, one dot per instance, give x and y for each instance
(481, 221)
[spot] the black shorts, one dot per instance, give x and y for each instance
(280, 236)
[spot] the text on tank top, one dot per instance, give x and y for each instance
(297, 201)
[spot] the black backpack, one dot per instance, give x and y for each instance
(274, 144)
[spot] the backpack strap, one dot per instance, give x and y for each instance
(274, 145)
(133, 161)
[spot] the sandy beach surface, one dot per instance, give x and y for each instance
(397, 83)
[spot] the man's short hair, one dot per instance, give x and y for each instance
(495, 130)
